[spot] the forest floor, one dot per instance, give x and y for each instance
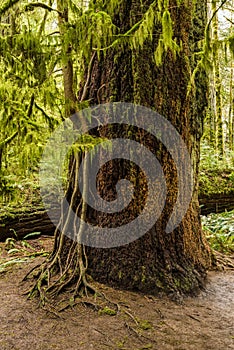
(145, 322)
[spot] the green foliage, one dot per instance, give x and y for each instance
(88, 143)
(167, 31)
(5, 265)
(145, 325)
(219, 229)
(216, 173)
(7, 5)
(157, 16)
(19, 252)
(33, 51)
(92, 30)
(30, 99)
(211, 160)
(107, 311)
(31, 59)
(231, 44)
(204, 57)
(18, 190)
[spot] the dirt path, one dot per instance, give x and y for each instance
(202, 323)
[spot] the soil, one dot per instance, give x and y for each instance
(205, 322)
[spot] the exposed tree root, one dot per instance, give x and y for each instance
(223, 261)
(66, 268)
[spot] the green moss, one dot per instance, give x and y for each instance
(184, 283)
(216, 174)
(146, 346)
(11, 212)
(216, 182)
(143, 276)
(121, 343)
(107, 311)
(145, 325)
(159, 284)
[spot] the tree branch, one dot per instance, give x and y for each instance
(32, 5)
(215, 12)
(47, 117)
(121, 36)
(86, 86)
(229, 20)
(30, 107)
(8, 139)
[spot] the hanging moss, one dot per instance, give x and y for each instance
(7, 5)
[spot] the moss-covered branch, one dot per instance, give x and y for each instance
(8, 4)
(32, 5)
(8, 139)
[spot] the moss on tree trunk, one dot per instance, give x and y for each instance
(158, 262)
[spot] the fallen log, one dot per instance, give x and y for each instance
(19, 224)
(216, 203)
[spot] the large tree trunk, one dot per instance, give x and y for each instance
(159, 261)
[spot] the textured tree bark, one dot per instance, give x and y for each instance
(157, 262)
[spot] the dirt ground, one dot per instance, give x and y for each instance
(143, 322)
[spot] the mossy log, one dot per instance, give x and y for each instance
(216, 203)
(20, 223)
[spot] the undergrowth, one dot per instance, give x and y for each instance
(14, 252)
(216, 174)
(219, 230)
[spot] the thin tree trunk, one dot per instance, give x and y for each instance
(211, 117)
(68, 74)
(231, 98)
(230, 112)
(218, 83)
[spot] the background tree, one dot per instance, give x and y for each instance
(219, 115)
(219, 143)
(231, 97)
(30, 95)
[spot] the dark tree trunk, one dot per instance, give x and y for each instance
(157, 261)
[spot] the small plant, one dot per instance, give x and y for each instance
(19, 252)
(216, 174)
(146, 346)
(10, 244)
(145, 325)
(219, 229)
(107, 311)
